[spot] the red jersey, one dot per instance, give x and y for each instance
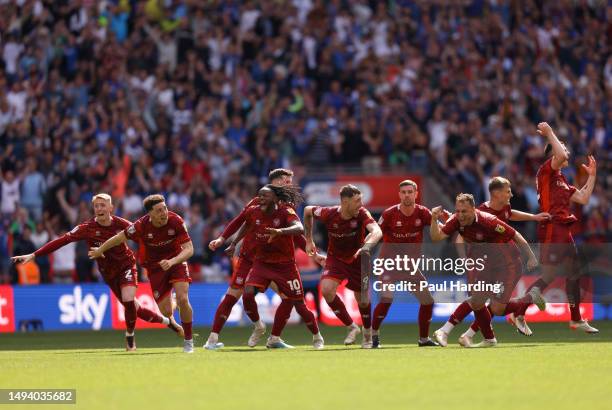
(281, 249)
(116, 260)
(554, 193)
(159, 243)
(345, 236)
(486, 228)
(503, 214)
(399, 228)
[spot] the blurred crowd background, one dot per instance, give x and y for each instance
(199, 100)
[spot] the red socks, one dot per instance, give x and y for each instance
(483, 319)
(188, 330)
(425, 313)
(460, 313)
(526, 300)
(283, 311)
(366, 317)
(146, 315)
(250, 306)
(130, 316)
(223, 312)
(340, 311)
(380, 312)
(309, 318)
(572, 290)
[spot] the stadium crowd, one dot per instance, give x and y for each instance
(200, 100)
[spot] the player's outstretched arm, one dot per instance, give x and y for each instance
(583, 195)
(434, 229)
(185, 253)
(532, 262)
(558, 149)
(308, 226)
(526, 216)
(51, 246)
(95, 253)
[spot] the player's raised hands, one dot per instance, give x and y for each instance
(23, 258)
(591, 166)
(436, 212)
(216, 243)
(94, 253)
(544, 129)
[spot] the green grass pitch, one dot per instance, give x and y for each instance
(554, 369)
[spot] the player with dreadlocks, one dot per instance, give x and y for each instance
(275, 224)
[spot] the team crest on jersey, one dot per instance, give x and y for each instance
(150, 236)
(479, 236)
(353, 224)
(500, 229)
(170, 232)
(276, 222)
(398, 223)
(336, 226)
(97, 233)
(417, 222)
(257, 222)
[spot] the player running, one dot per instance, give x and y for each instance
(558, 251)
(346, 225)
(275, 224)
(277, 177)
(117, 269)
(167, 246)
(499, 205)
(480, 227)
(404, 223)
